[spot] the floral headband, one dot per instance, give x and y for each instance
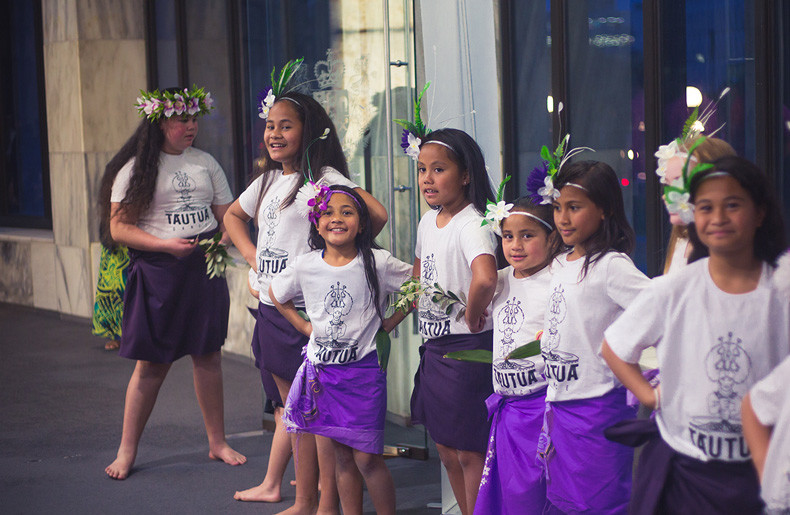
(414, 133)
(154, 105)
(312, 199)
(278, 88)
(497, 212)
(678, 194)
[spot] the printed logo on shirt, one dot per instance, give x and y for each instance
(433, 322)
(271, 260)
(335, 347)
(512, 375)
(561, 366)
(187, 214)
(720, 434)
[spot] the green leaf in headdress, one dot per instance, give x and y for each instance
(288, 71)
(501, 190)
(422, 130)
(689, 124)
(472, 355)
(409, 126)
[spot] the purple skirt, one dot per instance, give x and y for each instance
(172, 308)
(346, 403)
(273, 399)
(512, 481)
(449, 396)
(584, 471)
(276, 344)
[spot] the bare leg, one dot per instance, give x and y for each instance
(207, 373)
(329, 502)
(349, 480)
(141, 396)
(472, 465)
(455, 473)
(279, 456)
(378, 480)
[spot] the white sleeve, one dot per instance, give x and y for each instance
(476, 240)
(121, 183)
(222, 193)
(624, 281)
(396, 272)
(639, 327)
(248, 200)
(768, 395)
(332, 177)
(285, 285)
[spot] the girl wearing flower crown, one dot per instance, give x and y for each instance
(294, 123)
(512, 479)
(161, 195)
(719, 325)
(592, 283)
(455, 252)
(340, 390)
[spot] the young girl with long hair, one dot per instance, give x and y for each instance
(512, 482)
(719, 325)
(294, 122)
(592, 284)
(454, 251)
(160, 196)
(340, 391)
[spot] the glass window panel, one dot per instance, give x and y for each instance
(166, 49)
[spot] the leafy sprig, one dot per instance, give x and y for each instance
(217, 257)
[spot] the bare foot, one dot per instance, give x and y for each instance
(119, 469)
(223, 452)
(112, 345)
(260, 493)
(301, 508)
(293, 482)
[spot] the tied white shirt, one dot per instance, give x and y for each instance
(187, 185)
(712, 346)
(446, 256)
(282, 232)
(517, 310)
(338, 301)
(578, 312)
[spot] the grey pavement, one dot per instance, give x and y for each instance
(61, 407)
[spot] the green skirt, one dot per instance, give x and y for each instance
(108, 310)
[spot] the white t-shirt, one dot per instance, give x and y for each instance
(578, 312)
(338, 302)
(282, 232)
(770, 400)
(712, 347)
(679, 259)
(517, 310)
(446, 257)
(187, 186)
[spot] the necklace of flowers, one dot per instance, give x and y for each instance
(678, 194)
(191, 102)
(413, 132)
(278, 88)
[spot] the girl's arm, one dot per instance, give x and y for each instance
(219, 213)
(757, 435)
(631, 376)
(396, 318)
(236, 221)
(288, 310)
(378, 213)
(132, 236)
(481, 291)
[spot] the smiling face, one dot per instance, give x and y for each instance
(339, 224)
(180, 132)
(576, 218)
(726, 217)
(442, 182)
(524, 244)
(283, 135)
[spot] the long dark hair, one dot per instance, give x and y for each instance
(364, 242)
(466, 153)
(603, 189)
(323, 152)
(769, 238)
(546, 213)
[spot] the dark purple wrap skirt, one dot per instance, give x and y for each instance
(276, 344)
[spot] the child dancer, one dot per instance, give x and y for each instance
(718, 326)
(340, 391)
(512, 482)
(454, 251)
(294, 122)
(591, 285)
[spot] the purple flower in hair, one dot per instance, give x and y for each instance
(193, 107)
(536, 181)
(404, 140)
(319, 203)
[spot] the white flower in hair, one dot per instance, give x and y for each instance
(548, 191)
(413, 148)
(308, 191)
(678, 203)
(498, 212)
(266, 104)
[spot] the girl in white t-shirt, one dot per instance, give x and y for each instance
(340, 390)
(512, 478)
(294, 122)
(719, 325)
(454, 251)
(591, 286)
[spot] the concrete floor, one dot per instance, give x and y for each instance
(61, 407)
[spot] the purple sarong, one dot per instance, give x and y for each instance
(449, 395)
(346, 403)
(512, 482)
(273, 399)
(276, 344)
(584, 471)
(172, 308)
